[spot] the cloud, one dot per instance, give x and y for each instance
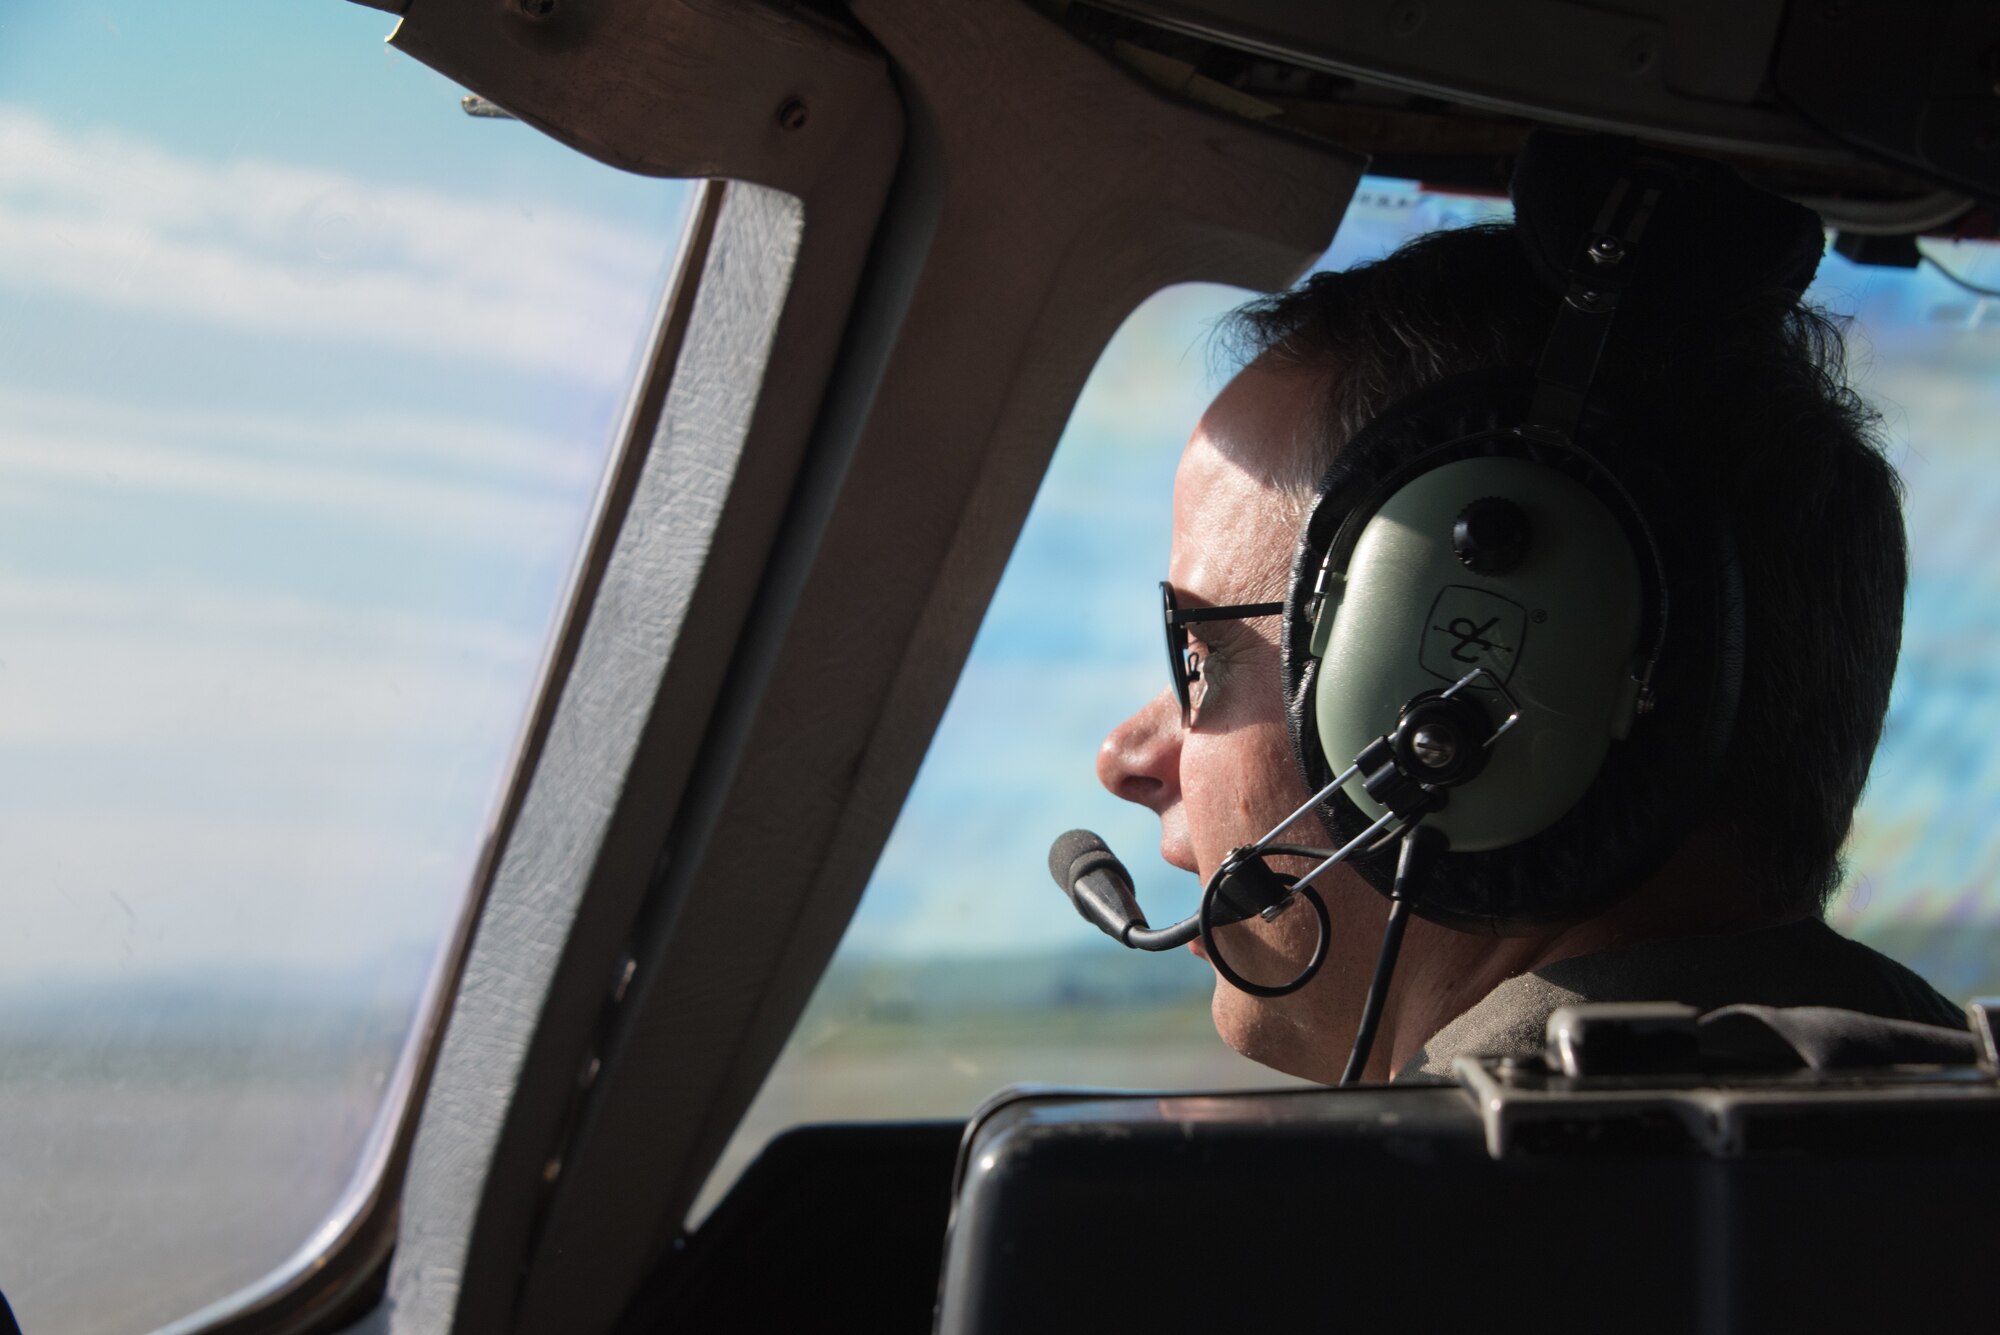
(366, 437)
(238, 677)
(425, 473)
(300, 252)
(197, 777)
(199, 772)
(159, 893)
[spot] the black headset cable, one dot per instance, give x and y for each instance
(1419, 845)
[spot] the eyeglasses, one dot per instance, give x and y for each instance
(1183, 658)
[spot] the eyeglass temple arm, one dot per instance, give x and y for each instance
(1180, 615)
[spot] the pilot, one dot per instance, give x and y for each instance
(1765, 425)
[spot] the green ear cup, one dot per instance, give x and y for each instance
(1556, 619)
(1648, 790)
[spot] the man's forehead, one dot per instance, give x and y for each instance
(1264, 418)
(1232, 517)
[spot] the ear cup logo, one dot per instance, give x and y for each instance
(1469, 628)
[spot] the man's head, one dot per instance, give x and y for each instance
(1228, 776)
(1761, 427)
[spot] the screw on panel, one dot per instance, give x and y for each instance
(1435, 747)
(792, 114)
(1638, 55)
(472, 104)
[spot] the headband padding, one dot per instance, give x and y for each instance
(1713, 239)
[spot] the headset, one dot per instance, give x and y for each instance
(1498, 582)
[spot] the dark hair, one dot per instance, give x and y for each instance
(1753, 406)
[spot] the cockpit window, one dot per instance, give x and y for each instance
(966, 970)
(309, 384)
(1921, 863)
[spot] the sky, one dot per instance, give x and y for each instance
(307, 382)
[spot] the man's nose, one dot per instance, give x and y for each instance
(1140, 760)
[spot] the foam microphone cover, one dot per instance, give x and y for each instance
(1096, 882)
